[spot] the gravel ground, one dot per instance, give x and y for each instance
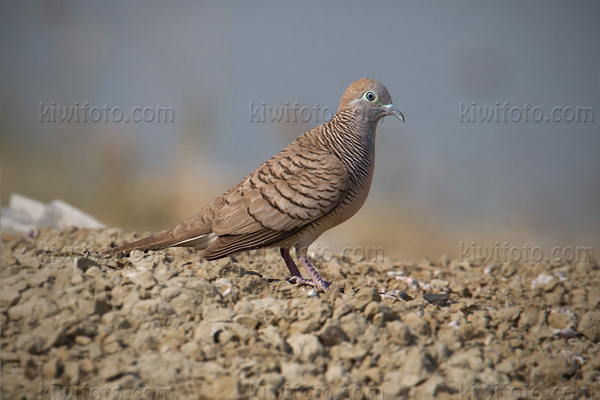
(171, 325)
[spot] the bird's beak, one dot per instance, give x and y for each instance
(392, 110)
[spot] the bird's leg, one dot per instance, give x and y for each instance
(317, 281)
(296, 276)
(285, 253)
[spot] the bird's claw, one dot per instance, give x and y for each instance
(303, 281)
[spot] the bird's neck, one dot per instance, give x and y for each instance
(352, 139)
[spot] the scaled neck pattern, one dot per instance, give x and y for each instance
(352, 140)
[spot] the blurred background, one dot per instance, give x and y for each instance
(440, 180)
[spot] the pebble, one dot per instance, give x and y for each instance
(331, 334)
(72, 372)
(590, 326)
(400, 333)
(9, 296)
(353, 325)
(50, 368)
(417, 324)
(364, 297)
(226, 388)
(170, 292)
(32, 344)
(305, 346)
(143, 279)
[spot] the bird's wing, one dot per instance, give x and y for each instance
(282, 196)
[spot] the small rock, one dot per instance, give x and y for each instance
(305, 346)
(101, 304)
(95, 350)
(170, 292)
(76, 278)
(84, 264)
(505, 367)
(439, 299)
(34, 308)
(335, 373)
(391, 387)
(383, 317)
(373, 308)
(417, 324)
(50, 368)
(298, 373)
(528, 318)
(471, 359)
(93, 272)
(253, 284)
(271, 337)
(420, 363)
(32, 344)
(331, 334)
(272, 379)
(364, 297)
(87, 366)
(163, 273)
(541, 280)
(217, 314)
(246, 320)
(226, 288)
(9, 296)
(451, 337)
(567, 333)
(83, 340)
(31, 369)
(111, 345)
(225, 387)
(115, 320)
(110, 371)
(149, 306)
(72, 372)
(374, 374)
(433, 387)
(400, 333)
(38, 278)
(143, 279)
(561, 319)
(353, 325)
(191, 350)
(590, 326)
(346, 351)
(201, 285)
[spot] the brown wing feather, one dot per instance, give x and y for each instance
(282, 196)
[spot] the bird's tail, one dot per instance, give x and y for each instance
(163, 240)
(157, 241)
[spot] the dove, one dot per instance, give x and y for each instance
(317, 182)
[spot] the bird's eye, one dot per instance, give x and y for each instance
(370, 96)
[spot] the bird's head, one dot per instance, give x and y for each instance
(370, 100)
